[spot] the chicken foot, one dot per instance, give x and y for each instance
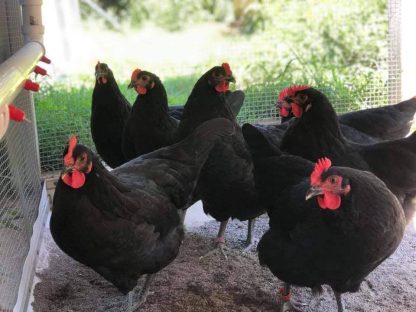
(142, 294)
(285, 304)
(219, 241)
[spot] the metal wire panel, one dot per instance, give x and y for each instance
(383, 88)
(20, 181)
(394, 63)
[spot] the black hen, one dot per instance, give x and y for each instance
(368, 125)
(316, 133)
(337, 239)
(149, 126)
(355, 126)
(226, 186)
(125, 223)
(109, 113)
(387, 123)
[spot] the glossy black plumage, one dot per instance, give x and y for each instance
(125, 223)
(109, 113)
(317, 134)
(149, 126)
(310, 246)
(386, 123)
(226, 184)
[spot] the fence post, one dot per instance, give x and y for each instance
(408, 49)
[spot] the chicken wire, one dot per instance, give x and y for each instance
(20, 180)
(259, 107)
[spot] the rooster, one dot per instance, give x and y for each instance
(125, 223)
(226, 186)
(109, 112)
(149, 126)
(316, 133)
(328, 225)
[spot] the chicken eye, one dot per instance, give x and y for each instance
(144, 78)
(333, 180)
(302, 97)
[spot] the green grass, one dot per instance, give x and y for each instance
(64, 109)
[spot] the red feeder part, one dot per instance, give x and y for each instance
(16, 114)
(41, 71)
(30, 85)
(44, 59)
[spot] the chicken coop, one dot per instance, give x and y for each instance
(29, 167)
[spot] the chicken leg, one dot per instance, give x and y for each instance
(219, 241)
(249, 240)
(142, 294)
(340, 303)
(285, 304)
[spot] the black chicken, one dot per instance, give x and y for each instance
(149, 126)
(377, 124)
(226, 186)
(109, 113)
(337, 239)
(387, 123)
(125, 223)
(275, 133)
(316, 133)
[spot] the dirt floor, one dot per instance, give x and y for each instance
(214, 284)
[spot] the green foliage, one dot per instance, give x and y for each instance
(339, 47)
(65, 108)
(174, 15)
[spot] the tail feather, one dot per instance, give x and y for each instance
(202, 140)
(258, 143)
(407, 106)
(198, 144)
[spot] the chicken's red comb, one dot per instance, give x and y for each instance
(289, 91)
(227, 69)
(68, 159)
(135, 73)
(323, 164)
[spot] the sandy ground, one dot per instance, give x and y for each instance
(214, 284)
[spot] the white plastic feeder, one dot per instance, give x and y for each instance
(13, 74)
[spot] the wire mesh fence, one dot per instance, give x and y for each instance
(382, 88)
(20, 181)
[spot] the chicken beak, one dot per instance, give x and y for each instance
(230, 79)
(67, 169)
(313, 191)
(131, 85)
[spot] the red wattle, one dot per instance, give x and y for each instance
(284, 112)
(297, 110)
(74, 180)
(222, 87)
(329, 201)
(141, 90)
